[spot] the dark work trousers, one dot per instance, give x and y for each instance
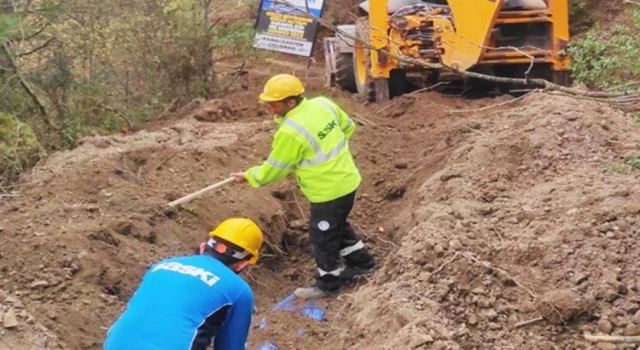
(334, 243)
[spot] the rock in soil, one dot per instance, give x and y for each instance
(605, 326)
(10, 320)
(636, 318)
(562, 306)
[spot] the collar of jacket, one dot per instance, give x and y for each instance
(279, 120)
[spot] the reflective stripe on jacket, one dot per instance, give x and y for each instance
(313, 142)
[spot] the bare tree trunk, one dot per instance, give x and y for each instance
(211, 73)
(9, 65)
(5, 53)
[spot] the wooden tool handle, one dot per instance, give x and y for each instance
(199, 193)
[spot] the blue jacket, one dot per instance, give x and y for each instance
(183, 304)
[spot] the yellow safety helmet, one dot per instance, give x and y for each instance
(241, 232)
(280, 87)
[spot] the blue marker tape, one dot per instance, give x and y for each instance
(310, 310)
(284, 302)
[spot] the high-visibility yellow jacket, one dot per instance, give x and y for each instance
(313, 142)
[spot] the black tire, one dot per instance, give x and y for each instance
(345, 76)
(364, 88)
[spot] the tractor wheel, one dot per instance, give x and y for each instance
(362, 63)
(345, 76)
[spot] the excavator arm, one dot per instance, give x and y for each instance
(465, 44)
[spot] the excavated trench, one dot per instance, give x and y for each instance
(474, 213)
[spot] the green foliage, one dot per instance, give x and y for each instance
(636, 118)
(235, 39)
(14, 100)
(19, 147)
(606, 57)
(112, 64)
(577, 8)
(620, 169)
(189, 209)
(8, 24)
(634, 163)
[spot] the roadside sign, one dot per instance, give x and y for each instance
(281, 28)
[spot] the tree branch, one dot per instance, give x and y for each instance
(25, 86)
(37, 48)
(541, 83)
(612, 338)
(38, 32)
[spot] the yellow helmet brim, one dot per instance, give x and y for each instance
(268, 98)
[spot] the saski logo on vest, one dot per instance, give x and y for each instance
(327, 129)
(205, 276)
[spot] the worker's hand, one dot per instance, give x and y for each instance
(239, 177)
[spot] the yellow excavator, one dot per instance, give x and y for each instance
(506, 38)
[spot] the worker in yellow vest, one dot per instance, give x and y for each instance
(313, 142)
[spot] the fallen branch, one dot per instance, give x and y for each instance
(385, 241)
(251, 278)
(428, 88)
(455, 257)
(612, 338)
(540, 83)
(499, 236)
(620, 100)
(526, 323)
(295, 198)
(119, 114)
(170, 107)
(167, 159)
(504, 272)
(364, 120)
(623, 85)
(274, 247)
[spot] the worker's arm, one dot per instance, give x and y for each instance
(233, 334)
(346, 124)
(286, 152)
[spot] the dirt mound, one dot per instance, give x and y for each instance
(527, 198)
(89, 221)
(474, 211)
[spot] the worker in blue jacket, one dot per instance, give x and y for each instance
(192, 302)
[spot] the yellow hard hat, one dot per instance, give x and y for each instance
(280, 87)
(241, 232)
